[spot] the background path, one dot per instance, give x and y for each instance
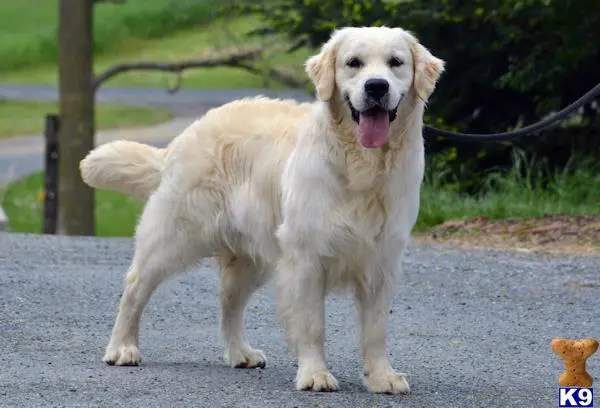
(470, 328)
(23, 155)
(186, 102)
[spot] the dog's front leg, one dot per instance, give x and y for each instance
(373, 304)
(301, 308)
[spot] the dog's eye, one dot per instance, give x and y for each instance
(354, 62)
(395, 62)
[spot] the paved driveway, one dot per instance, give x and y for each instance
(470, 328)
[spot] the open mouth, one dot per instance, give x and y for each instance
(373, 111)
(373, 124)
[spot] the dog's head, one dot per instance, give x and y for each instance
(373, 70)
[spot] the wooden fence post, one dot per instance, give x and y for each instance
(51, 174)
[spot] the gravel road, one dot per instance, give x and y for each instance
(470, 328)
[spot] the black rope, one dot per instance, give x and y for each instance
(527, 130)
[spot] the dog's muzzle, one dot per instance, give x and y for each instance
(373, 122)
(372, 108)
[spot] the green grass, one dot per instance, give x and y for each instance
(575, 191)
(116, 215)
(25, 117)
(28, 28)
(526, 190)
(139, 30)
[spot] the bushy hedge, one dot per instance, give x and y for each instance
(509, 62)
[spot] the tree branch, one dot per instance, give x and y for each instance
(109, 1)
(274, 73)
(232, 60)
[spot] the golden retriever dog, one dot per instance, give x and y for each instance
(319, 196)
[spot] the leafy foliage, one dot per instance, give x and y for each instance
(509, 62)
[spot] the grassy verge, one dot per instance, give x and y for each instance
(573, 192)
(527, 190)
(28, 28)
(138, 30)
(116, 215)
(24, 117)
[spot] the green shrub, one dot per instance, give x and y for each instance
(509, 63)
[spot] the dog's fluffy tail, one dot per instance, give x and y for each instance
(128, 167)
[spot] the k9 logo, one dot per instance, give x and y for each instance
(576, 397)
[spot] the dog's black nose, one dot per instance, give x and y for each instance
(376, 88)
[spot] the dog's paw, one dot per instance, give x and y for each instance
(128, 355)
(247, 358)
(388, 382)
(321, 380)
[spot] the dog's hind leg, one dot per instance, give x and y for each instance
(164, 247)
(240, 278)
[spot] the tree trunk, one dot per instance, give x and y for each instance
(76, 137)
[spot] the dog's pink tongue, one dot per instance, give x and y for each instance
(373, 130)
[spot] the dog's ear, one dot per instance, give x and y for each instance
(321, 69)
(427, 70)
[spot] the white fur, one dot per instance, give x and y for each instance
(276, 188)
